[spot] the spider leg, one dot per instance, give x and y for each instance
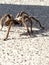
(37, 21)
(8, 30)
(23, 22)
(1, 25)
(31, 25)
(30, 21)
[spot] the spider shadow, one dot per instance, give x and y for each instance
(36, 33)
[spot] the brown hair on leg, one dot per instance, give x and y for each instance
(8, 30)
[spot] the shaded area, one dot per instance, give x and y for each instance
(36, 33)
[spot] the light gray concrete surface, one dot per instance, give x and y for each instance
(25, 50)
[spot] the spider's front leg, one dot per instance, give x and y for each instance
(8, 30)
(31, 25)
(37, 21)
(23, 22)
(30, 21)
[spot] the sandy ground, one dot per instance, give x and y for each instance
(24, 49)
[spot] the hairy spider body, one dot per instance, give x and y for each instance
(6, 19)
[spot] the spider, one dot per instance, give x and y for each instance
(21, 17)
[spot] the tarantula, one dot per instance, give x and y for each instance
(21, 17)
